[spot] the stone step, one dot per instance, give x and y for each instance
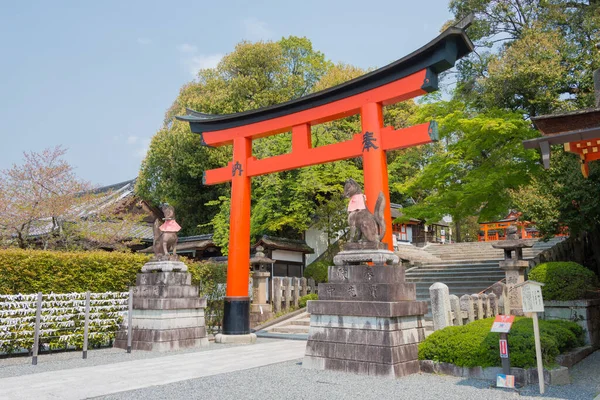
(453, 278)
(302, 322)
(290, 329)
(460, 263)
(454, 270)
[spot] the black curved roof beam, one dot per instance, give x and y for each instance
(437, 56)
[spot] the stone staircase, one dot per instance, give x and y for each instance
(296, 325)
(466, 268)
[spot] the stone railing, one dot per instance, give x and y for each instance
(287, 291)
(448, 310)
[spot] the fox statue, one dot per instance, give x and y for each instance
(364, 225)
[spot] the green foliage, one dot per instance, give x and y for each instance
(254, 75)
(474, 345)
(318, 271)
(472, 169)
(564, 280)
(304, 299)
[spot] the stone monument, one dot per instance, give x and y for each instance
(167, 314)
(367, 319)
(260, 310)
(514, 266)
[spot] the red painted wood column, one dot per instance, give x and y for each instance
(236, 318)
(375, 164)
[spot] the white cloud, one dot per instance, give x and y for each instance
(132, 139)
(201, 61)
(140, 151)
(256, 29)
(192, 61)
(187, 48)
(144, 41)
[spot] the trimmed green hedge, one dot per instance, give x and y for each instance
(304, 299)
(318, 271)
(31, 271)
(474, 345)
(564, 280)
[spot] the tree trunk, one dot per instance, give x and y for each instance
(457, 234)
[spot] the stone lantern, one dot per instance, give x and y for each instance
(260, 310)
(514, 266)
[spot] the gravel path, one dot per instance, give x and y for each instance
(290, 381)
(17, 366)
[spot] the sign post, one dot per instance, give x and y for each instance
(531, 294)
(502, 325)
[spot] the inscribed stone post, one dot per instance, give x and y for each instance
(478, 306)
(277, 294)
(440, 305)
(303, 287)
(466, 304)
(288, 292)
(493, 303)
(455, 305)
(296, 291)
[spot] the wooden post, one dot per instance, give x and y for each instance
(130, 320)
(375, 169)
(538, 351)
(36, 333)
(86, 325)
(295, 295)
(277, 294)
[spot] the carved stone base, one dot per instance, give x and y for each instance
(366, 321)
(365, 246)
(164, 266)
(167, 313)
(355, 257)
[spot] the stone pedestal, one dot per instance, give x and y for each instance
(515, 274)
(514, 266)
(260, 310)
(167, 313)
(366, 321)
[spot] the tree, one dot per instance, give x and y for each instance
(532, 56)
(473, 167)
(254, 75)
(39, 197)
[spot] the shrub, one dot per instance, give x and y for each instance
(564, 280)
(31, 271)
(304, 299)
(474, 345)
(318, 271)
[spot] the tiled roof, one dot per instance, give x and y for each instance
(284, 244)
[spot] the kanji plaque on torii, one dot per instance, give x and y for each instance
(411, 76)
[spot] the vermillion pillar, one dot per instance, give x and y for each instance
(236, 316)
(375, 164)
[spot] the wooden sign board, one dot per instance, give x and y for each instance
(531, 294)
(502, 323)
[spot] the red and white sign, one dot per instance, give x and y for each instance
(503, 348)
(502, 323)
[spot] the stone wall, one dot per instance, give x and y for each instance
(583, 249)
(585, 312)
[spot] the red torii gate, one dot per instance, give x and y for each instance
(411, 76)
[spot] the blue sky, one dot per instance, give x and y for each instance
(97, 76)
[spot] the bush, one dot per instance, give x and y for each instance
(474, 345)
(32, 271)
(564, 280)
(304, 299)
(318, 271)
